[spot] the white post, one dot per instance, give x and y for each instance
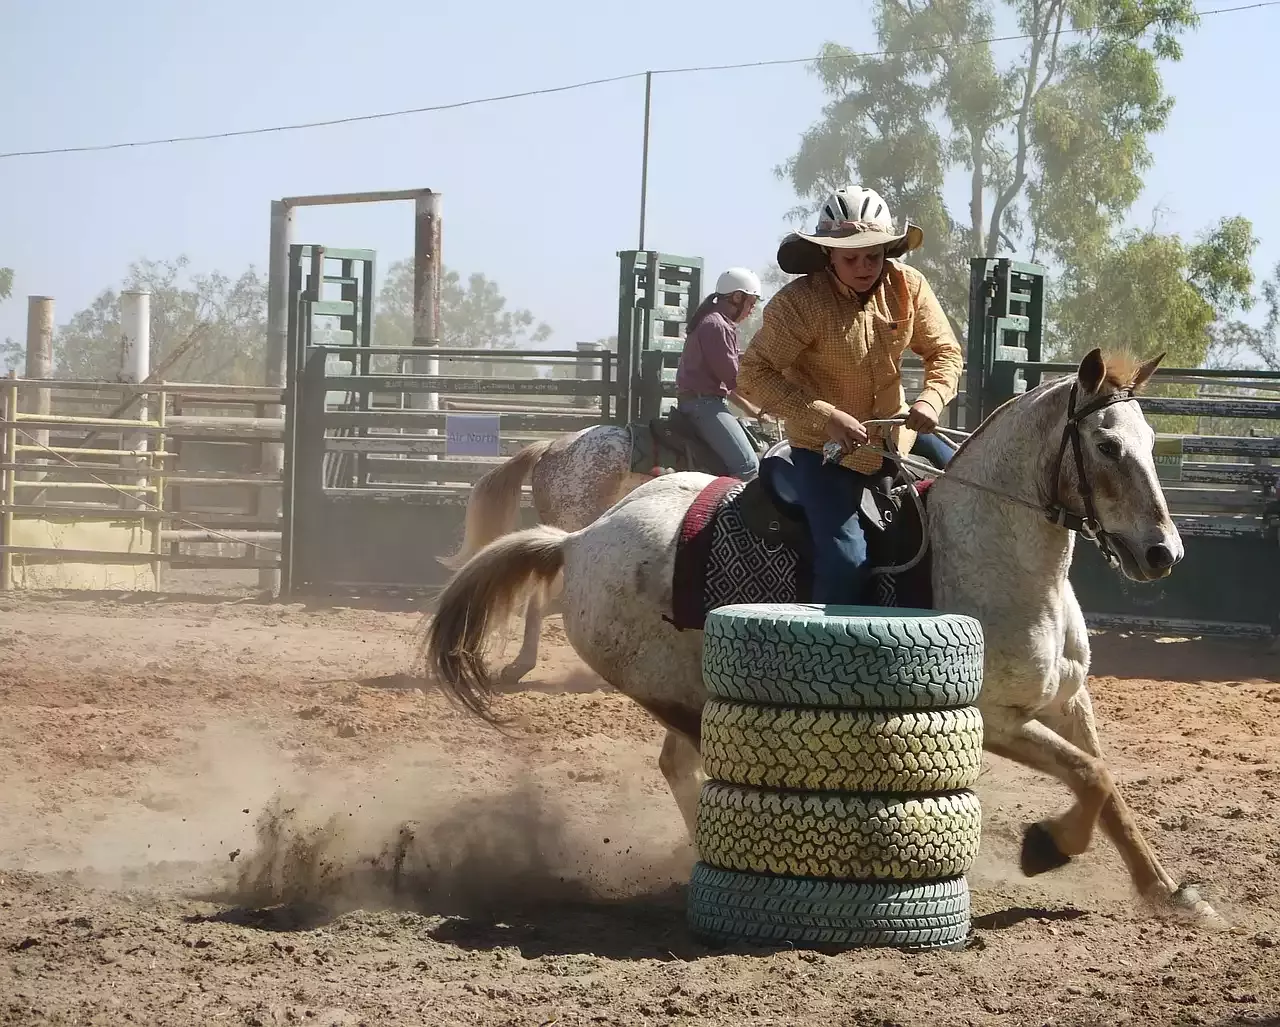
(135, 366)
(271, 497)
(39, 365)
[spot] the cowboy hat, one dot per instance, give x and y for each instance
(852, 219)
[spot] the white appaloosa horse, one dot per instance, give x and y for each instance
(575, 478)
(1076, 442)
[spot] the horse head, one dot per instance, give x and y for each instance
(1102, 474)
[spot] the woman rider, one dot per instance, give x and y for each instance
(829, 356)
(707, 374)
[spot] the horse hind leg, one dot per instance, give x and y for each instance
(1076, 723)
(527, 658)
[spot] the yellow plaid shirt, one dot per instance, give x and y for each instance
(821, 348)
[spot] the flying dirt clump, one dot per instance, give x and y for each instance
(452, 850)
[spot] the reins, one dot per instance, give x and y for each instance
(1056, 512)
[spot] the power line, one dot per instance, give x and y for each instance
(570, 87)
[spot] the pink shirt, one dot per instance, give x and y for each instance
(709, 363)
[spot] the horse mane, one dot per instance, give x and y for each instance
(1121, 372)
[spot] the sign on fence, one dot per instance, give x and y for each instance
(1168, 458)
(472, 434)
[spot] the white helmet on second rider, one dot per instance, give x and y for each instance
(738, 279)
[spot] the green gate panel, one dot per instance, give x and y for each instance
(1230, 580)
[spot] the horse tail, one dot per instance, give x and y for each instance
(493, 507)
(485, 590)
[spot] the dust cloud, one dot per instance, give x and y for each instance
(242, 822)
(433, 839)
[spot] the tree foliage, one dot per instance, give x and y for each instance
(218, 322)
(6, 282)
(221, 323)
(1236, 343)
(1053, 142)
(473, 315)
(1151, 293)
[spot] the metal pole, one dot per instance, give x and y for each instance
(427, 236)
(270, 509)
(644, 162)
(9, 476)
(135, 367)
(39, 365)
(589, 365)
(426, 290)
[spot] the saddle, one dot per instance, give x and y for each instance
(770, 505)
(674, 435)
(750, 543)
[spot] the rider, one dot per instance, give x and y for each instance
(829, 356)
(708, 371)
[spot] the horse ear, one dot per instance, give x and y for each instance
(1146, 371)
(1093, 369)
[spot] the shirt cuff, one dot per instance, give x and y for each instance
(818, 412)
(934, 398)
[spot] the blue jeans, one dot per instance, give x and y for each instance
(933, 449)
(830, 495)
(722, 432)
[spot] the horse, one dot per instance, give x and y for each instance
(1002, 539)
(575, 478)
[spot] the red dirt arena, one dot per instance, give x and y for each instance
(215, 811)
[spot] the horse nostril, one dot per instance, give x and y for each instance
(1160, 556)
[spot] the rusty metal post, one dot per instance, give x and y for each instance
(426, 291)
(270, 497)
(39, 365)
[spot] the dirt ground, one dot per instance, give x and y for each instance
(217, 811)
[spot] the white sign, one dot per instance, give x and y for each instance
(1168, 458)
(472, 435)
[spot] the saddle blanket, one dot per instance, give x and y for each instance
(720, 561)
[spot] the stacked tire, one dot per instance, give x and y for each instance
(840, 744)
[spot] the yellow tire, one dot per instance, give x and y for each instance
(841, 750)
(846, 836)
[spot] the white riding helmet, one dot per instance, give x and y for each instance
(856, 203)
(738, 279)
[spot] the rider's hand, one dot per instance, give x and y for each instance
(921, 418)
(846, 430)
(764, 418)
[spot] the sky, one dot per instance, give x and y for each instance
(538, 193)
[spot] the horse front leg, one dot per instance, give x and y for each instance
(1075, 721)
(1049, 844)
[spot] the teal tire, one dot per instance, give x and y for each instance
(727, 907)
(846, 657)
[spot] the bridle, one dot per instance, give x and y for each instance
(1088, 526)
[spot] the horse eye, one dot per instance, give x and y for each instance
(1109, 448)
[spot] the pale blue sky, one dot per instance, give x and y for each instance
(538, 193)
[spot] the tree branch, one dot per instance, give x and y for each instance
(1030, 93)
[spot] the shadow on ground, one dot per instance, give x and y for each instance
(1149, 658)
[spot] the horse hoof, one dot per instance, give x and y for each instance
(1189, 906)
(510, 677)
(1040, 853)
